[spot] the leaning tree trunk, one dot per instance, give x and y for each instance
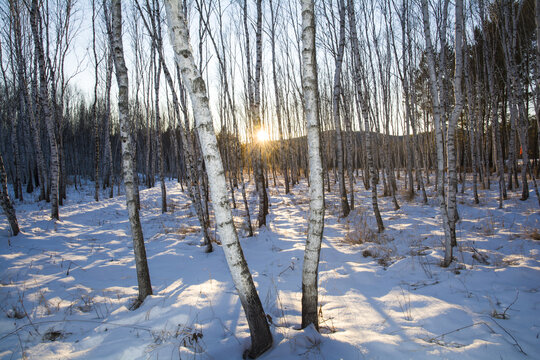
(493, 112)
(94, 105)
(261, 338)
(157, 75)
(109, 179)
(5, 201)
(350, 152)
(154, 28)
(35, 111)
(450, 140)
(45, 108)
(115, 38)
(472, 126)
(316, 188)
(25, 107)
(257, 123)
(438, 132)
(412, 95)
(335, 112)
(363, 104)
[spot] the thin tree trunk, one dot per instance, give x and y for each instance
(5, 201)
(157, 77)
(44, 102)
(438, 132)
(335, 111)
(363, 104)
(350, 152)
(282, 154)
(472, 124)
(94, 104)
(109, 179)
(115, 38)
(257, 124)
(450, 140)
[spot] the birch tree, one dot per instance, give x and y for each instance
(312, 252)
(94, 105)
(493, 92)
(434, 89)
(5, 201)
(27, 104)
(254, 86)
(44, 103)
(115, 38)
(345, 209)
(451, 131)
(274, 12)
(362, 95)
(261, 338)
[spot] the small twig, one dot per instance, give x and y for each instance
(513, 338)
(512, 303)
(63, 321)
(287, 268)
(456, 330)
(480, 257)
(21, 299)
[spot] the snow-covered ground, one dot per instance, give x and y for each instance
(65, 287)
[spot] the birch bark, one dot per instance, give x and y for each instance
(115, 38)
(362, 100)
(335, 111)
(261, 338)
(5, 201)
(44, 102)
(451, 131)
(430, 54)
(316, 190)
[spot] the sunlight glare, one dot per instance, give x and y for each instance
(262, 136)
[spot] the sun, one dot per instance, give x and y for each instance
(262, 136)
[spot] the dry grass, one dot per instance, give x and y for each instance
(358, 231)
(182, 231)
(406, 195)
(488, 225)
(533, 233)
(53, 335)
(376, 245)
(359, 235)
(172, 206)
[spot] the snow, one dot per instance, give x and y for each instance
(66, 286)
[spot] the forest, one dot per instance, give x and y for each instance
(318, 179)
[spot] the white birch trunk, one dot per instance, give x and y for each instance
(472, 124)
(316, 190)
(94, 105)
(362, 101)
(430, 54)
(335, 111)
(115, 37)
(257, 123)
(261, 338)
(5, 201)
(282, 154)
(450, 140)
(107, 125)
(46, 109)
